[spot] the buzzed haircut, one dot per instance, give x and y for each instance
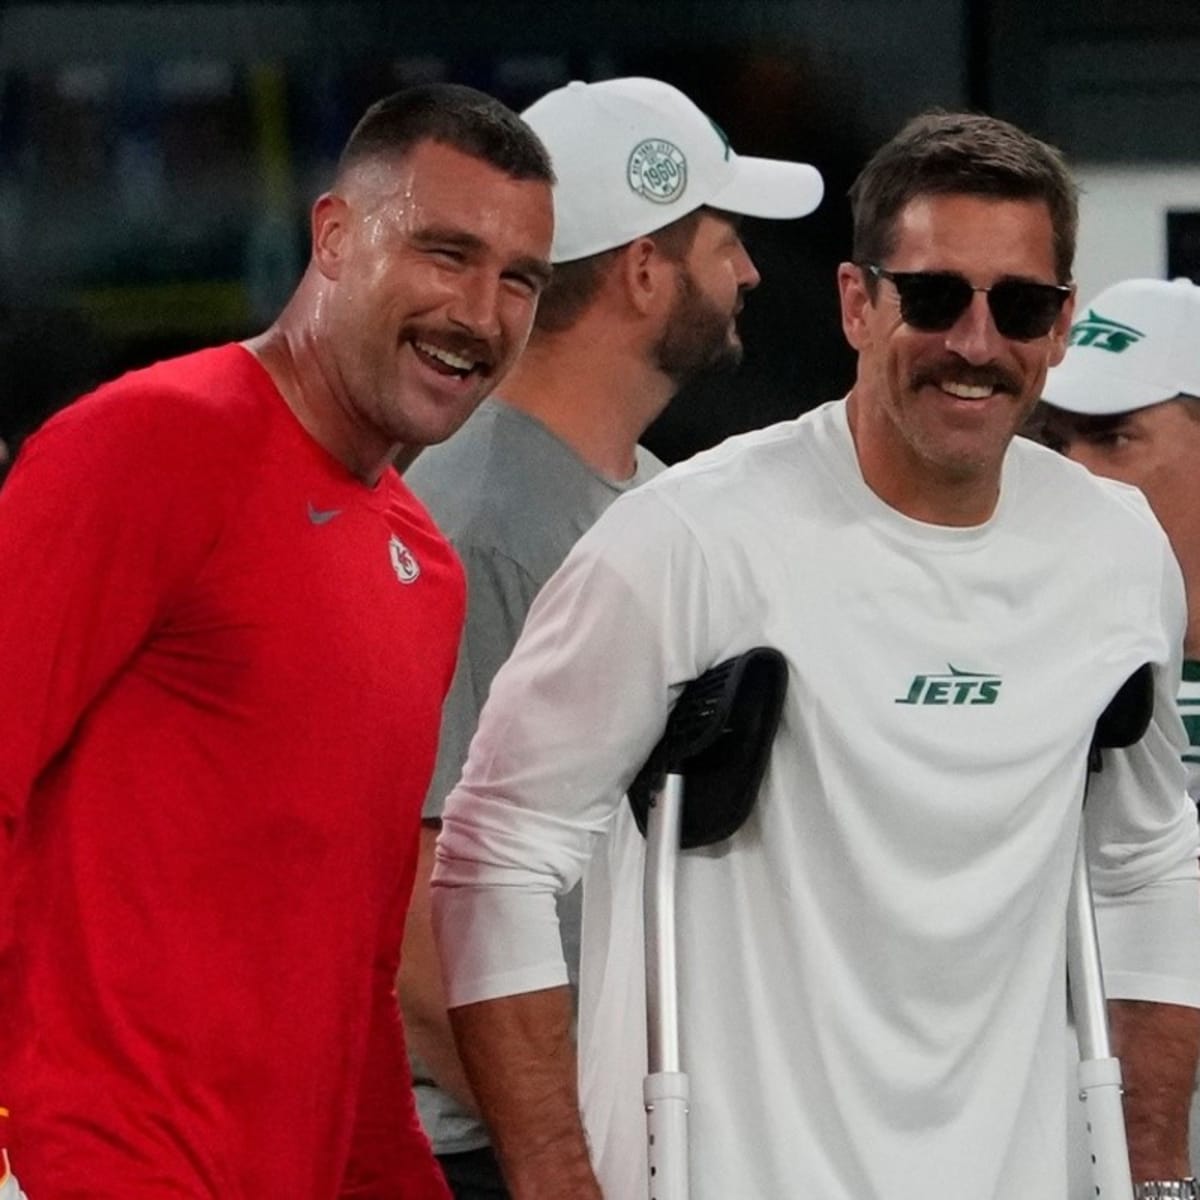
(452, 115)
(939, 153)
(574, 284)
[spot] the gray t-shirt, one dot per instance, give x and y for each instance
(513, 498)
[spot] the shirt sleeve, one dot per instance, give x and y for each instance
(1142, 842)
(572, 715)
(499, 594)
(101, 522)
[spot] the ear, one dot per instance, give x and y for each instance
(1062, 329)
(647, 276)
(856, 303)
(330, 233)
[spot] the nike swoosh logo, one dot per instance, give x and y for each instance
(320, 516)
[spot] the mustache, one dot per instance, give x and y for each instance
(955, 370)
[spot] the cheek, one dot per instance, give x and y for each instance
(1167, 480)
(730, 277)
(516, 318)
(1035, 363)
(1090, 457)
(903, 354)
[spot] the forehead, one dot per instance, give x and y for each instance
(437, 186)
(983, 237)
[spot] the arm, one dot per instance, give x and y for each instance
(101, 525)
(106, 517)
(422, 996)
(499, 594)
(1158, 1045)
(1142, 843)
(531, 1101)
(571, 716)
(104, 522)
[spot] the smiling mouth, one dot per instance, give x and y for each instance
(452, 363)
(968, 391)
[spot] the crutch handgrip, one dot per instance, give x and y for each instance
(666, 1097)
(719, 735)
(1100, 1090)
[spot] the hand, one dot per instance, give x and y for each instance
(10, 1189)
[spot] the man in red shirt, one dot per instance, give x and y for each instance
(226, 637)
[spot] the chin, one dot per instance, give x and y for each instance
(445, 425)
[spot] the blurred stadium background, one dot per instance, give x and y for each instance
(157, 160)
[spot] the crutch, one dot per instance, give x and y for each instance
(1122, 723)
(719, 738)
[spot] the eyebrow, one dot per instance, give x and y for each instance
(723, 214)
(1084, 424)
(538, 268)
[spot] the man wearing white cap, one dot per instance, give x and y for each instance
(1126, 404)
(871, 968)
(650, 275)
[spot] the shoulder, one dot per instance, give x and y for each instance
(504, 485)
(181, 407)
(744, 475)
(1063, 496)
(416, 545)
(704, 501)
(462, 478)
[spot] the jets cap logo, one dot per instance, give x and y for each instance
(657, 171)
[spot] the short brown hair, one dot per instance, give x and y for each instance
(453, 115)
(574, 285)
(971, 154)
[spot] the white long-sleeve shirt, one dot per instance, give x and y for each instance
(872, 968)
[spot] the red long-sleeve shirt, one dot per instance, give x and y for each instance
(222, 661)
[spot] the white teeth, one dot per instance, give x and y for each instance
(447, 356)
(965, 391)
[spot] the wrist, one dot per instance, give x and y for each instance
(1166, 1189)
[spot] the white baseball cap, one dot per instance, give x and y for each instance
(633, 155)
(1137, 344)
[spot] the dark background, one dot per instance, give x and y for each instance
(157, 160)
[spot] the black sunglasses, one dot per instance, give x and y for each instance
(933, 300)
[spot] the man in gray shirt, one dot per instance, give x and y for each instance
(650, 274)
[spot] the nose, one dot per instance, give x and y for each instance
(746, 272)
(475, 307)
(974, 336)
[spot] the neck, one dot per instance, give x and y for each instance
(929, 492)
(596, 396)
(291, 352)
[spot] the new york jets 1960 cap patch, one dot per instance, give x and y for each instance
(632, 155)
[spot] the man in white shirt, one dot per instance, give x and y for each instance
(648, 284)
(872, 968)
(1126, 403)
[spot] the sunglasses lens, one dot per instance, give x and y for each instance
(932, 301)
(1024, 311)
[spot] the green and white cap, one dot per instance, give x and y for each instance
(1136, 344)
(632, 155)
